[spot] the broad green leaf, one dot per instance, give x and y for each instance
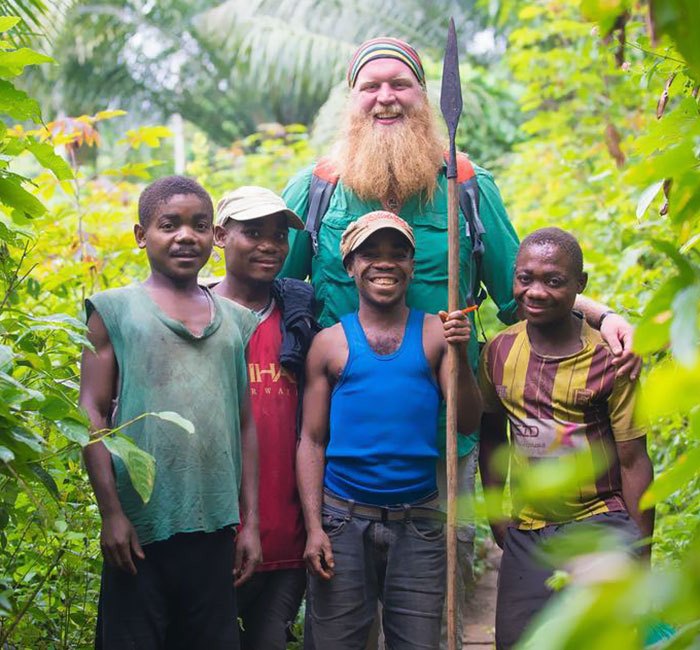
(16, 197)
(46, 480)
(140, 465)
(73, 430)
(12, 64)
(30, 439)
(49, 159)
(652, 334)
(14, 392)
(670, 389)
(646, 197)
(17, 104)
(685, 468)
(604, 12)
(55, 408)
(684, 327)
(8, 22)
(684, 267)
(175, 418)
(680, 19)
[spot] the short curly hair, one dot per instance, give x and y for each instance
(164, 189)
(563, 240)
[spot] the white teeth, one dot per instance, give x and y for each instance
(384, 281)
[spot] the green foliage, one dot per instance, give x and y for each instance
(612, 154)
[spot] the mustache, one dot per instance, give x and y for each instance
(388, 111)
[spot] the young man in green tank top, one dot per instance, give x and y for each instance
(170, 345)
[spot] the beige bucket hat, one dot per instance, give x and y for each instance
(252, 202)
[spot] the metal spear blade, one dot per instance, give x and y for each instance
(451, 94)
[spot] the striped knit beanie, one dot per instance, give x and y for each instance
(385, 48)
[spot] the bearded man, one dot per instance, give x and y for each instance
(389, 156)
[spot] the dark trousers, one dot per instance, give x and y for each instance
(267, 606)
(522, 591)
(400, 563)
(180, 599)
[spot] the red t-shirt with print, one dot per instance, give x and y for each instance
(274, 399)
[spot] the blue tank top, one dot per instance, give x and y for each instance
(384, 420)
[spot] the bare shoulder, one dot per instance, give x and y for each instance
(97, 332)
(329, 337)
(329, 351)
(328, 341)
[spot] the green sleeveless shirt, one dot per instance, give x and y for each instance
(164, 367)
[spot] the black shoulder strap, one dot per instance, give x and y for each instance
(323, 182)
(469, 204)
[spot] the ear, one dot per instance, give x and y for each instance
(582, 282)
(348, 263)
(140, 235)
(220, 234)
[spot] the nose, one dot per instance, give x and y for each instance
(185, 234)
(266, 244)
(537, 290)
(384, 264)
(386, 94)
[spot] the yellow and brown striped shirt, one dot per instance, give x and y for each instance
(557, 405)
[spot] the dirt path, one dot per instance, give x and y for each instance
(479, 628)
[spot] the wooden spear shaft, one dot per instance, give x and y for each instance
(452, 387)
(451, 106)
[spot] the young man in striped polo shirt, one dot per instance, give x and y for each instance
(552, 378)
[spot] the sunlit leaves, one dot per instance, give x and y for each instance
(646, 197)
(680, 20)
(175, 418)
(670, 389)
(17, 104)
(47, 158)
(8, 22)
(12, 63)
(604, 12)
(672, 479)
(149, 136)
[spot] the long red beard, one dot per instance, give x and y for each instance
(397, 161)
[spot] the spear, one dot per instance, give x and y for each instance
(451, 106)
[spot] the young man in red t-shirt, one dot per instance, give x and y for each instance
(251, 226)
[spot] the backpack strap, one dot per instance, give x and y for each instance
(323, 181)
(469, 204)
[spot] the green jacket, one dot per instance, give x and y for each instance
(335, 290)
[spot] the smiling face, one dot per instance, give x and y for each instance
(255, 249)
(546, 283)
(178, 237)
(385, 90)
(382, 267)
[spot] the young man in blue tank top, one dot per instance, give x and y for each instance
(367, 456)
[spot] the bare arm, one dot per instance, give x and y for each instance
(493, 438)
(248, 549)
(637, 474)
(311, 455)
(616, 332)
(456, 332)
(98, 376)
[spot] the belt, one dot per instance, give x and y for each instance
(405, 512)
